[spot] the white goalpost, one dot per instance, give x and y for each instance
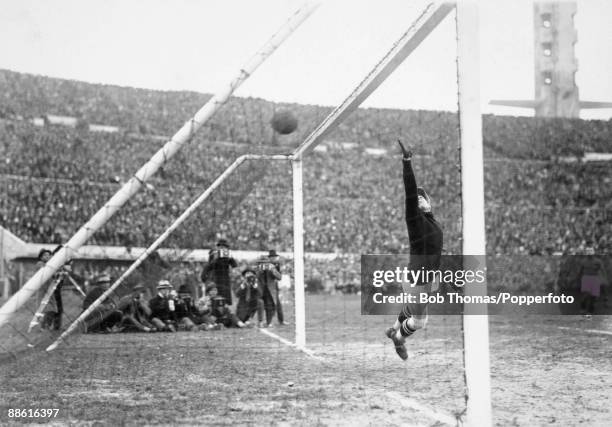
(298, 252)
(476, 342)
(475, 326)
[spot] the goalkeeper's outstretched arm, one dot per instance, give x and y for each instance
(413, 215)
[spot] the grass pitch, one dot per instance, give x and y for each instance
(541, 374)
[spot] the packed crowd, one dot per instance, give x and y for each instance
(346, 210)
(54, 178)
(246, 120)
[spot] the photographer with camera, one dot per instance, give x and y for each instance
(64, 276)
(219, 309)
(52, 318)
(268, 275)
(249, 295)
(187, 313)
(217, 269)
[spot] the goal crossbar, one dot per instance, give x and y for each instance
(429, 19)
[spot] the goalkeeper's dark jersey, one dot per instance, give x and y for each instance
(424, 231)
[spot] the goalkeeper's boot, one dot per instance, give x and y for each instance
(400, 348)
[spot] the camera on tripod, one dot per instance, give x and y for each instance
(219, 253)
(63, 271)
(265, 265)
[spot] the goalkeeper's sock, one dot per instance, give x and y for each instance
(400, 319)
(407, 328)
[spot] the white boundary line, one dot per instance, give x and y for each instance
(404, 401)
(308, 352)
(590, 331)
(431, 413)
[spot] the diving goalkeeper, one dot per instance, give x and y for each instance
(425, 237)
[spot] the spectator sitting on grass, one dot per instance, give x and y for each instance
(105, 317)
(163, 314)
(219, 309)
(136, 312)
(187, 313)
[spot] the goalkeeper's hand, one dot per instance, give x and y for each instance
(406, 154)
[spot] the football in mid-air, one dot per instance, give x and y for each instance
(284, 122)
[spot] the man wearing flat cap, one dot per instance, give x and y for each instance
(106, 317)
(163, 314)
(217, 269)
(98, 286)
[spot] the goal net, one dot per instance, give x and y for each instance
(352, 204)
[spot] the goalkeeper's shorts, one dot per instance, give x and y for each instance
(418, 309)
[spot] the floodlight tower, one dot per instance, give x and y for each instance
(555, 64)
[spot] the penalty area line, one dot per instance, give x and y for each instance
(308, 352)
(589, 331)
(419, 407)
